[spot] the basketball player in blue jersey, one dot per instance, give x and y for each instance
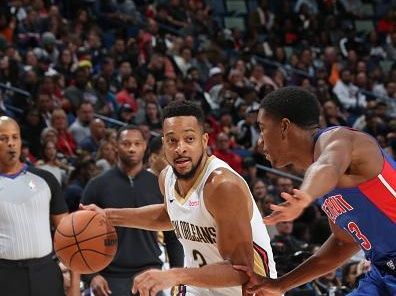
(352, 179)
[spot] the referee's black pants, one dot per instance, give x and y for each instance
(31, 277)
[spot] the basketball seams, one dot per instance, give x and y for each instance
(94, 242)
(72, 257)
(95, 251)
(85, 227)
(78, 245)
(85, 240)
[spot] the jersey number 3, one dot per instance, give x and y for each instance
(355, 230)
(199, 258)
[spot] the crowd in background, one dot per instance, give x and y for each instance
(84, 68)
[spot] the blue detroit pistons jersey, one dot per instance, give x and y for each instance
(367, 211)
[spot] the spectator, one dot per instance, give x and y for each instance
(128, 92)
(106, 157)
(332, 114)
(348, 94)
(84, 170)
(79, 129)
(97, 132)
(31, 130)
(124, 186)
(65, 143)
(157, 163)
(50, 162)
(224, 152)
(80, 91)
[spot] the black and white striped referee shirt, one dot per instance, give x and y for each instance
(27, 199)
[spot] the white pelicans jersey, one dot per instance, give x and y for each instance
(196, 230)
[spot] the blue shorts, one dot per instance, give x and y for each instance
(376, 283)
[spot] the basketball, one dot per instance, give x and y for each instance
(85, 242)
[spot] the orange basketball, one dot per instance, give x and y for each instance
(85, 242)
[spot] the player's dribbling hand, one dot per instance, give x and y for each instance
(258, 285)
(151, 282)
(99, 286)
(92, 207)
(289, 210)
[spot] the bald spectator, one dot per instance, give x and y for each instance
(97, 132)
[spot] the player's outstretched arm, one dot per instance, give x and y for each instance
(333, 154)
(228, 200)
(152, 217)
(338, 248)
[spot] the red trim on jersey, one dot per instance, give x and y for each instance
(379, 195)
(264, 257)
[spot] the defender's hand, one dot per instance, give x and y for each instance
(290, 209)
(258, 285)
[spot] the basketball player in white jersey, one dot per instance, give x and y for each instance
(211, 210)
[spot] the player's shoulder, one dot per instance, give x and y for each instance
(221, 177)
(342, 134)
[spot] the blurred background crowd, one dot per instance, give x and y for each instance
(72, 72)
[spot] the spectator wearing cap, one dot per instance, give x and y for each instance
(224, 152)
(249, 133)
(48, 49)
(80, 91)
(215, 84)
(126, 114)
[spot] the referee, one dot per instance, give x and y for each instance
(29, 199)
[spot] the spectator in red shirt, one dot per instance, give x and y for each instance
(223, 152)
(127, 93)
(65, 144)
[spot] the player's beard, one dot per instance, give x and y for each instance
(190, 174)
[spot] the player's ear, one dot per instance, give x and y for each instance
(285, 126)
(205, 139)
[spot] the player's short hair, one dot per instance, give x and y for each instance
(183, 108)
(298, 105)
